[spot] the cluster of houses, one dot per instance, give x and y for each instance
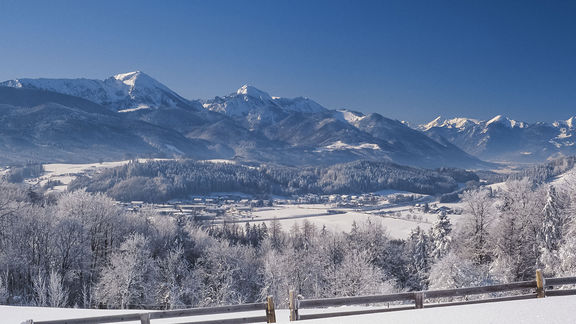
(213, 207)
(209, 208)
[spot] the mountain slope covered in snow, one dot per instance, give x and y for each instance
(37, 125)
(248, 125)
(121, 92)
(502, 139)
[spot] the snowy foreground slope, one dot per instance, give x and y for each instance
(551, 310)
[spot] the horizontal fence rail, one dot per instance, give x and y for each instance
(145, 318)
(418, 299)
(538, 288)
(457, 292)
(346, 301)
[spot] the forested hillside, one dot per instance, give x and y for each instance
(163, 180)
(545, 172)
(81, 249)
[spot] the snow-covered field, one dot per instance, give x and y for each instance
(551, 310)
(66, 172)
(396, 227)
(399, 222)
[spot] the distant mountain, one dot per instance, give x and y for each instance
(132, 112)
(335, 135)
(254, 108)
(502, 139)
(45, 126)
(122, 92)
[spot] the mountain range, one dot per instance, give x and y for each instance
(132, 114)
(502, 139)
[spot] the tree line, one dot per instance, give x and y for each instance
(156, 181)
(82, 249)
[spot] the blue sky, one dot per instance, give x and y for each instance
(408, 60)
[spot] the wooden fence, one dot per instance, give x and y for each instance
(145, 318)
(538, 288)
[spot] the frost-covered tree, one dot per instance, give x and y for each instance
(175, 282)
(305, 264)
(370, 236)
(40, 290)
(516, 230)
(355, 276)
(565, 257)
(129, 278)
(276, 235)
(418, 249)
(552, 230)
(95, 223)
(552, 221)
(275, 281)
(57, 293)
(453, 271)
(474, 236)
(4, 294)
(227, 274)
(440, 236)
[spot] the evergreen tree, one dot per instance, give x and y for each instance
(419, 254)
(440, 236)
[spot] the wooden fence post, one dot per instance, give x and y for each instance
(145, 318)
(293, 304)
(270, 312)
(419, 299)
(540, 292)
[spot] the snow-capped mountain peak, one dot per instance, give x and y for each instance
(349, 116)
(12, 84)
(458, 123)
(130, 77)
(436, 122)
(461, 123)
(569, 123)
(256, 107)
(140, 81)
(250, 91)
(506, 121)
(122, 92)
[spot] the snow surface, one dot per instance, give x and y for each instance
(139, 107)
(396, 227)
(506, 121)
(251, 91)
(349, 116)
(550, 310)
(462, 123)
(339, 145)
(65, 173)
(458, 123)
(125, 92)
(257, 106)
